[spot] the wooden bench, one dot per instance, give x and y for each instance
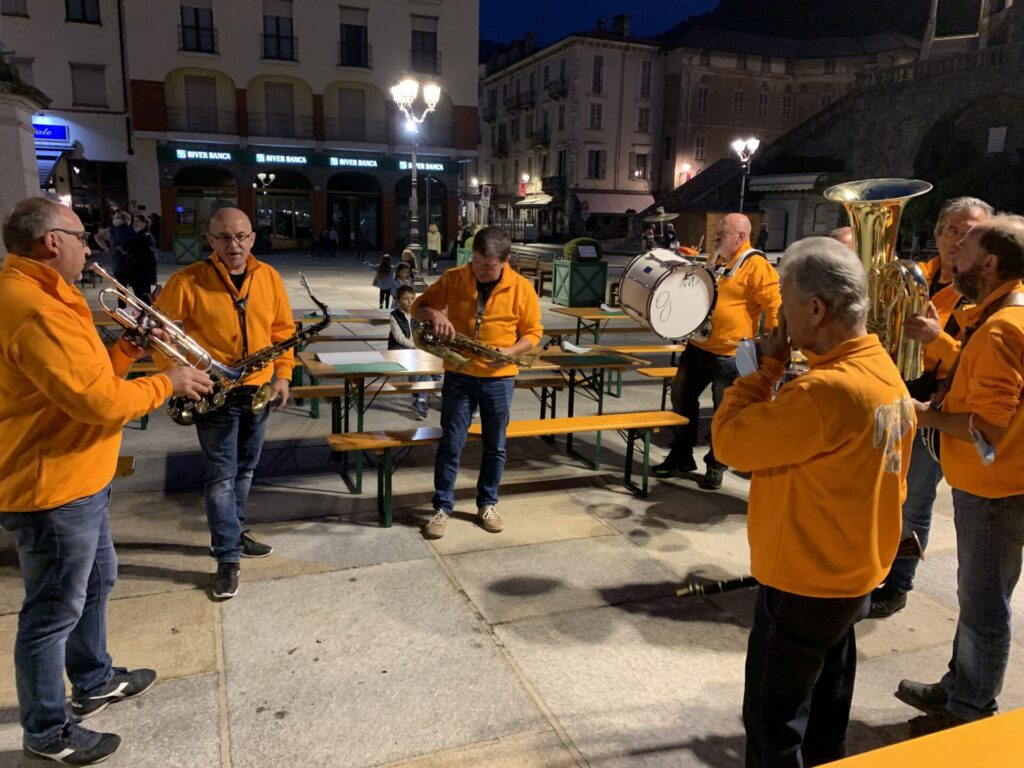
(637, 425)
(667, 376)
(614, 387)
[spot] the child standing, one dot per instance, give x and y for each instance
(384, 280)
(402, 327)
(433, 248)
(403, 276)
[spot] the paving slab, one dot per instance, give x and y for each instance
(364, 667)
(517, 582)
(172, 633)
(174, 725)
(535, 749)
(657, 683)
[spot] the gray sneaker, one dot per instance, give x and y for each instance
(490, 520)
(437, 525)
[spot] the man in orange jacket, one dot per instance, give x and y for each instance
(487, 301)
(939, 330)
(981, 426)
(233, 305)
(63, 402)
(829, 457)
(748, 286)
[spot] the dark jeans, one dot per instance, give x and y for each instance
(385, 298)
(923, 476)
(231, 438)
(989, 542)
(801, 663)
(460, 394)
(697, 369)
(69, 567)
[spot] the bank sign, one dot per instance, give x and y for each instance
(202, 154)
(51, 133)
(405, 165)
(354, 162)
(262, 157)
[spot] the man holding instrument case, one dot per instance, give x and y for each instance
(829, 457)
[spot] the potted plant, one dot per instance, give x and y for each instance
(580, 274)
(188, 244)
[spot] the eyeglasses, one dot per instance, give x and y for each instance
(82, 236)
(228, 239)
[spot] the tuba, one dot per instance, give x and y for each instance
(897, 288)
(458, 350)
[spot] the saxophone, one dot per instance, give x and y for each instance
(458, 350)
(184, 410)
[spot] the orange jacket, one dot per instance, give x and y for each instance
(62, 399)
(829, 456)
(943, 351)
(512, 313)
(988, 381)
(202, 297)
(930, 268)
(742, 298)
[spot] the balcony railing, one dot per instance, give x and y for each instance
(355, 55)
(489, 113)
(281, 124)
(202, 120)
(427, 62)
(553, 183)
(354, 129)
(280, 47)
(197, 39)
(558, 88)
(540, 138)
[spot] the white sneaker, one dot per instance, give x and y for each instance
(436, 526)
(490, 520)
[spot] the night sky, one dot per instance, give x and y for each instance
(506, 20)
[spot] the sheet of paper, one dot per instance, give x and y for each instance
(349, 358)
(382, 367)
(568, 346)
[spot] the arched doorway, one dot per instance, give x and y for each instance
(432, 206)
(283, 212)
(353, 209)
(200, 191)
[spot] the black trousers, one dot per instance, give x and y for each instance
(801, 664)
(697, 369)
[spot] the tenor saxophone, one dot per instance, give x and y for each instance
(458, 350)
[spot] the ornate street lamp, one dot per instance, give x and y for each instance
(404, 93)
(745, 150)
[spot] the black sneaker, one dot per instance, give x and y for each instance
(673, 463)
(253, 548)
(123, 685)
(225, 583)
(885, 602)
(712, 479)
(929, 698)
(77, 746)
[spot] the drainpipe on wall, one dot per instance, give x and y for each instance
(124, 77)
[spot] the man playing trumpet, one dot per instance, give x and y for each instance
(63, 403)
(488, 302)
(829, 457)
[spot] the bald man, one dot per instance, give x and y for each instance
(748, 287)
(233, 305)
(843, 235)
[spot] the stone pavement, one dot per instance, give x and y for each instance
(558, 642)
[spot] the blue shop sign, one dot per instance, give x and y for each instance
(49, 132)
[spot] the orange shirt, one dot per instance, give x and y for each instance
(62, 399)
(829, 456)
(930, 268)
(512, 313)
(202, 297)
(988, 381)
(742, 297)
(943, 351)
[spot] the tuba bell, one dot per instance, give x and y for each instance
(897, 288)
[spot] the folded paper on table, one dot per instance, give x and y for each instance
(569, 347)
(342, 358)
(383, 367)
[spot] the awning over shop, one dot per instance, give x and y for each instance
(783, 182)
(608, 202)
(46, 159)
(534, 201)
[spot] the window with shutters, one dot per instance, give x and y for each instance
(762, 104)
(639, 165)
(197, 32)
(595, 116)
(353, 46)
(88, 85)
(597, 81)
(737, 103)
(278, 39)
(596, 162)
(698, 146)
(787, 106)
(643, 120)
(646, 70)
(561, 117)
(85, 11)
(702, 99)
(424, 55)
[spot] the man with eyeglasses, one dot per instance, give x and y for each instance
(233, 305)
(63, 403)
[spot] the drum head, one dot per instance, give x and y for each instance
(681, 301)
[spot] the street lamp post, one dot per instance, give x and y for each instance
(745, 150)
(404, 94)
(263, 180)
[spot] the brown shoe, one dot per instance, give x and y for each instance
(490, 520)
(437, 525)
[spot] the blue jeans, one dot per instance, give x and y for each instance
(989, 540)
(231, 438)
(697, 369)
(69, 568)
(459, 396)
(923, 476)
(798, 683)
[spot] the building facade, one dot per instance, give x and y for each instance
(281, 108)
(569, 133)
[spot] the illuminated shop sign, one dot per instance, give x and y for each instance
(282, 159)
(405, 165)
(201, 154)
(60, 134)
(354, 162)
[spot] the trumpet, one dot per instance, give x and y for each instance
(139, 320)
(458, 350)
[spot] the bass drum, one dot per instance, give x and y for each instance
(667, 293)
